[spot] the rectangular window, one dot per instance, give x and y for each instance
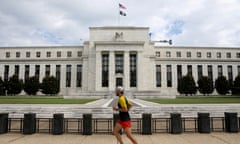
(158, 76)
(158, 54)
(209, 55)
(133, 70)
(6, 72)
(219, 55)
(18, 54)
(119, 63)
(38, 54)
(168, 54)
(238, 55)
(220, 71)
(228, 55)
(79, 54)
(27, 72)
(79, 75)
(200, 71)
(179, 72)
(58, 72)
(69, 54)
(68, 75)
(37, 71)
(7, 54)
(59, 54)
(178, 54)
(238, 70)
(48, 54)
(16, 71)
(105, 70)
(47, 70)
(210, 72)
(230, 73)
(189, 70)
(169, 76)
(189, 54)
(28, 54)
(199, 54)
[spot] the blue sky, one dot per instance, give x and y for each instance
(61, 22)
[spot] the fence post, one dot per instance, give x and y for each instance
(29, 123)
(58, 124)
(203, 123)
(87, 124)
(176, 123)
(147, 124)
(231, 122)
(3, 123)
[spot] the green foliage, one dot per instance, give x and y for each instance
(2, 87)
(236, 86)
(14, 85)
(187, 85)
(205, 85)
(50, 86)
(32, 86)
(222, 85)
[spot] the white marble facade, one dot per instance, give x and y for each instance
(126, 49)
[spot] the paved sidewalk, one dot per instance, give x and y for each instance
(196, 138)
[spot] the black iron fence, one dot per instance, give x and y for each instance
(144, 125)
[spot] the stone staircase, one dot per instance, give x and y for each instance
(150, 94)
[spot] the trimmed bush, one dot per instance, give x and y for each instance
(187, 85)
(205, 85)
(236, 86)
(50, 86)
(14, 85)
(32, 86)
(222, 85)
(2, 87)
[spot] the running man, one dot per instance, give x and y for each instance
(124, 122)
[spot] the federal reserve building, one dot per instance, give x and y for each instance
(119, 56)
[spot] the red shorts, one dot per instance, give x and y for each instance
(125, 124)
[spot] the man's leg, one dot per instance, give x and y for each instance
(116, 130)
(128, 132)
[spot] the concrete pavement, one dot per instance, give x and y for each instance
(192, 138)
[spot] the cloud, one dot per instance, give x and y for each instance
(61, 22)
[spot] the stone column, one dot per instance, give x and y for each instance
(112, 82)
(98, 83)
(164, 75)
(73, 76)
(126, 70)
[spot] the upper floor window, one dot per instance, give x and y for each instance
(69, 54)
(38, 54)
(79, 54)
(7, 54)
(189, 54)
(48, 54)
(158, 54)
(168, 54)
(59, 54)
(219, 55)
(27, 54)
(228, 55)
(199, 54)
(238, 55)
(178, 54)
(18, 54)
(209, 55)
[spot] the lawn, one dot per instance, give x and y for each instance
(197, 100)
(41, 100)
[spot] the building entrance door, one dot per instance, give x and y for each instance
(119, 82)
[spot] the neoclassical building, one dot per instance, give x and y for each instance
(116, 56)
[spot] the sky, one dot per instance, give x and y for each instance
(214, 23)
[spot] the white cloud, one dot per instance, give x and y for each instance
(61, 22)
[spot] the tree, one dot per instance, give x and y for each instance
(14, 85)
(222, 85)
(2, 87)
(236, 86)
(50, 86)
(205, 85)
(187, 85)
(32, 86)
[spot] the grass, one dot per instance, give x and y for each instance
(41, 100)
(197, 100)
